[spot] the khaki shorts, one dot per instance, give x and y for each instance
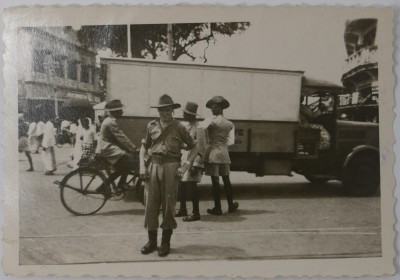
(217, 169)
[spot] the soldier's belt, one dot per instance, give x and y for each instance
(161, 160)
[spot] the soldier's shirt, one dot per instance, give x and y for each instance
(219, 137)
(171, 145)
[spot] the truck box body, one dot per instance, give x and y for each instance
(264, 103)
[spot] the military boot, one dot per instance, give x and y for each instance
(165, 243)
(150, 246)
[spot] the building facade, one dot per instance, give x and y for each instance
(360, 79)
(56, 74)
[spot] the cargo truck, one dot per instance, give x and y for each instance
(265, 109)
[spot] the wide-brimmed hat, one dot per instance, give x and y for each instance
(191, 108)
(218, 100)
(166, 101)
(114, 105)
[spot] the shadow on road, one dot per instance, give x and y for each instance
(205, 250)
(278, 191)
(139, 212)
(225, 218)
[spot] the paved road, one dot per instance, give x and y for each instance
(279, 218)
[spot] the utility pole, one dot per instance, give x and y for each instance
(169, 36)
(56, 101)
(129, 41)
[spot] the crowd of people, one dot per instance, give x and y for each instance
(40, 134)
(171, 160)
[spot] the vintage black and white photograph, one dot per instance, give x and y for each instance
(221, 138)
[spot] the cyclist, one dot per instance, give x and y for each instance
(115, 146)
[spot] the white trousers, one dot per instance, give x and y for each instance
(49, 159)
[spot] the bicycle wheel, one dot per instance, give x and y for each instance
(78, 191)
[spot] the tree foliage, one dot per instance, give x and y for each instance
(151, 40)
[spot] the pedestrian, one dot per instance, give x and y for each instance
(65, 132)
(40, 130)
(77, 151)
(193, 175)
(88, 138)
(23, 145)
(33, 138)
(162, 143)
(115, 146)
(48, 143)
(217, 161)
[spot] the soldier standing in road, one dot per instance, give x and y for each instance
(162, 143)
(217, 161)
(195, 172)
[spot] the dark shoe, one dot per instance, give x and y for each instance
(150, 246)
(233, 207)
(163, 251)
(214, 211)
(30, 169)
(181, 213)
(191, 218)
(48, 173)
(55, 169)
(165, 243)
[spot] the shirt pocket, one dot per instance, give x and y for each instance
(173, 144)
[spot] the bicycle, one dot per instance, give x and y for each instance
(82, 191)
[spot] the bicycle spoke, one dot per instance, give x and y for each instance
(84, 200)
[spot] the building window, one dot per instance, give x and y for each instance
(39, 60)
(85, 74)
(93, 74)
(59, 68)
(72, 70)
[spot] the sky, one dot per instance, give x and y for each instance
(314, 44)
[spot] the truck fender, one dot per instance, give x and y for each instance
(359, 150)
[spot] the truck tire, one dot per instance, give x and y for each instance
(362, 175)
(316, 179)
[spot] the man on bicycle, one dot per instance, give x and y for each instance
(115, 146)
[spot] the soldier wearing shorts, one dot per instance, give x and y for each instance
(162, 143)
(217, 160)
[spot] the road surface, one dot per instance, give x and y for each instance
(279, 218)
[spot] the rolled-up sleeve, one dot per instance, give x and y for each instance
(201, 141)
(146, 141)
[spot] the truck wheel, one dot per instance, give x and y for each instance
(315, 179)
(362, 175)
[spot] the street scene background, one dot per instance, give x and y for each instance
(279, 217)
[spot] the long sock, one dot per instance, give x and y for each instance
(182, 195)
(215, 190)
(228, 189)
(195, 198)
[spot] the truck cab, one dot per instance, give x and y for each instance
(352, 155)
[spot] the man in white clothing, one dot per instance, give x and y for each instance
(49, 140)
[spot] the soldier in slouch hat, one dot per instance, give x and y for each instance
(162, 143)
(217, 161)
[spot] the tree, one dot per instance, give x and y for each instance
(104, 37)
(151, 40)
